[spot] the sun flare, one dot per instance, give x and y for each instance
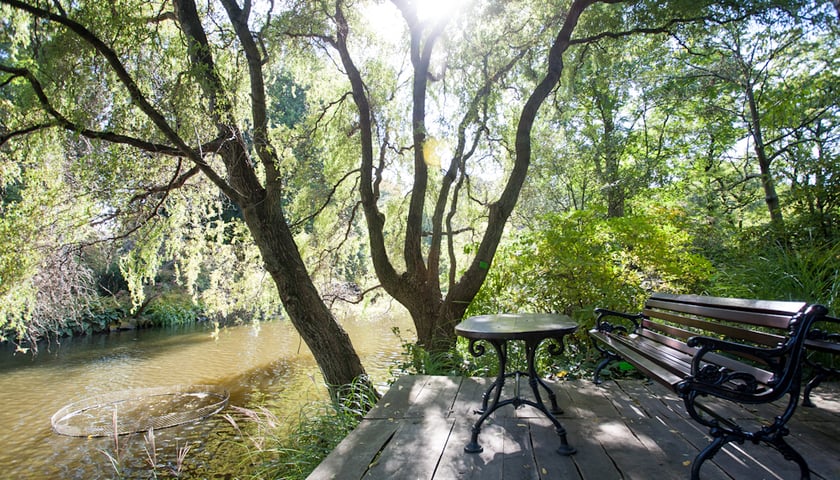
(386, 17)
(436, 10)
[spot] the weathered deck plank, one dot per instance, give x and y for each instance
(419, 439)
(624, 429)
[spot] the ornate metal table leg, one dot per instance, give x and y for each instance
(477, 351)
(552, 397)
(535, 381)
(498, 383)
(554, 349)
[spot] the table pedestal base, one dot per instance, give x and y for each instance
(491, 399)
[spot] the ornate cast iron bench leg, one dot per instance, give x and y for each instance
(812, 384)
(772, 434)
(607, 357)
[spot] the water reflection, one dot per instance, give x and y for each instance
(259, 365)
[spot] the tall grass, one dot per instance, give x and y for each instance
(290, 449)
(810, 274)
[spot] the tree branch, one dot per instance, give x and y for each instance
(375, 219)
(259, 110)
(500, 211)
(9, 134)
(326, 201)
(421, 52)
(62, 121)
(665, 28)
(177, 181)
(137, 97)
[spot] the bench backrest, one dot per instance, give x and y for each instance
(759, 322)
(673, 319)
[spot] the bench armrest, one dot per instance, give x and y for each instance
(603, 326)
(827, 338)
(707, 344)
(742, 386)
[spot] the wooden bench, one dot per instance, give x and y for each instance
(709, 348)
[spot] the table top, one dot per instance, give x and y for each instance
(516, 326)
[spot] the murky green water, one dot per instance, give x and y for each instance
(262, 365)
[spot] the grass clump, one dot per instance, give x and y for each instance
(290, 449)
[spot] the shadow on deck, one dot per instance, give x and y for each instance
(622, 430)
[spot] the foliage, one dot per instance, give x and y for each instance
(575, 262)
(44, 282)
(417, 360)
(807, 273)
(55, 298)
(171, 310)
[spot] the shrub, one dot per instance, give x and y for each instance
(578, 261)
(808, 272)
(171, 309)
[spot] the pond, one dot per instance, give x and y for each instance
(261, 365)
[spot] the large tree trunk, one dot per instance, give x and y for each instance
(327, 340)
(261, 204)
(609, 171)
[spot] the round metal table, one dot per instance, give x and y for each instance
(533, 329)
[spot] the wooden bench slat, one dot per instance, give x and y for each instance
(731, 331)
(653, 370)
(823, 346)
(678, 360)
(761, 319)
(763, 376)
(778, 306)
(669, 359)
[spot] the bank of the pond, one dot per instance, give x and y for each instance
(265, 367)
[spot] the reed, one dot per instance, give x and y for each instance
(810, 274)
(115, 458)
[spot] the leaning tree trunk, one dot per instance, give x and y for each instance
(326, 339)
(261, 203)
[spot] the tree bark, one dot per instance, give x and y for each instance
(768, 183)
(609, 171)
(326, 339)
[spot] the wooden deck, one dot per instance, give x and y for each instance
(622, 430)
